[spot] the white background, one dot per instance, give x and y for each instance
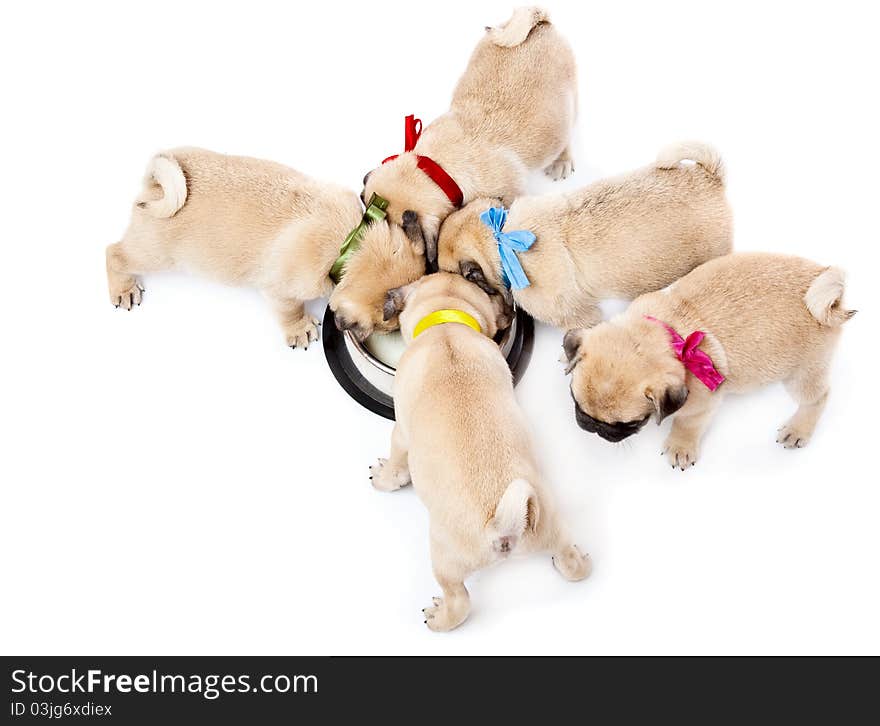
(175, 480)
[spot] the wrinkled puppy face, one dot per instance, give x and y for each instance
(415, 202)
(444, 290)
(467, 247)
(386, 259)
(620, 377)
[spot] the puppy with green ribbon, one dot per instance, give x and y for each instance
(461, 440)
(558, 255)
(253, 222)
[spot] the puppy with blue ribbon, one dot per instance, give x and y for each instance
(558, 255)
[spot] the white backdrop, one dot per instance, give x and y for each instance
(175, 480)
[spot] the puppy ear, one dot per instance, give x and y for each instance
(472, 272)
(571, 349)
(423, 233)
(413, 230)
(364, 189)
(667, 401)
(431, 255)
(395, 301)
(503, 312)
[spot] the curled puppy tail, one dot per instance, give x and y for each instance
(517, 513)
(517, 29)
(824, 298)
(164, 190)
(703, 154)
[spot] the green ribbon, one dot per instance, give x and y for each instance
(375, 212)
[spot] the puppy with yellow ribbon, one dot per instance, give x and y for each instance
(461, 440)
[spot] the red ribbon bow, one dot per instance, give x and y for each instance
(412, 130)
(694, 359)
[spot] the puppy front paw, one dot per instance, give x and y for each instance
(127, 294)
(571, 564)
(793, 436)
(441, 617)
(385, 479)
(681, 454)
(301, 333)
(560, 169)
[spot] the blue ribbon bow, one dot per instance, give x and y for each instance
(509, 243)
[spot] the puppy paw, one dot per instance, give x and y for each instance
(560, 169)
(440, 617)
(301, 333)
(127, 294)
(571, 564)
(385, 479)
(793, 436)
(681, 454)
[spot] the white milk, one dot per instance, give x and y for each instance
(387, 347)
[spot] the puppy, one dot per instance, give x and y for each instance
(732, 324)
(462, 441)
(512, 111)
(618, 238)
(250, 222)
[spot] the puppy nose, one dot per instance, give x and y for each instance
(614, 436)
(584, 421)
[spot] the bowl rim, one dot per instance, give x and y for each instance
(362, 349)
(367, 395)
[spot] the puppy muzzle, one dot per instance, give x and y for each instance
(344, 324)
(612, 432)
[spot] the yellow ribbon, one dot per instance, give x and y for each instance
(438, 317)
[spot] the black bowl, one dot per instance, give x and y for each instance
(375, 395)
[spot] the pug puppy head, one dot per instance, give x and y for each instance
(415, 202)
(441, 291)
(622, 375)
(385, 259)
(467, 246)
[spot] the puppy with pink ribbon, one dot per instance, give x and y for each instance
(734, 323)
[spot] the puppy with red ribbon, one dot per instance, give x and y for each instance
(512, 112)
(734, 323)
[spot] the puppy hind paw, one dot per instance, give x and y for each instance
(127, 296)
(792, 436)
(560, 169)
(302, 333)
(571, 564)
(385, 479)
(441, 618)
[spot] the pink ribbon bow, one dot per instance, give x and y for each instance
(694, 359)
